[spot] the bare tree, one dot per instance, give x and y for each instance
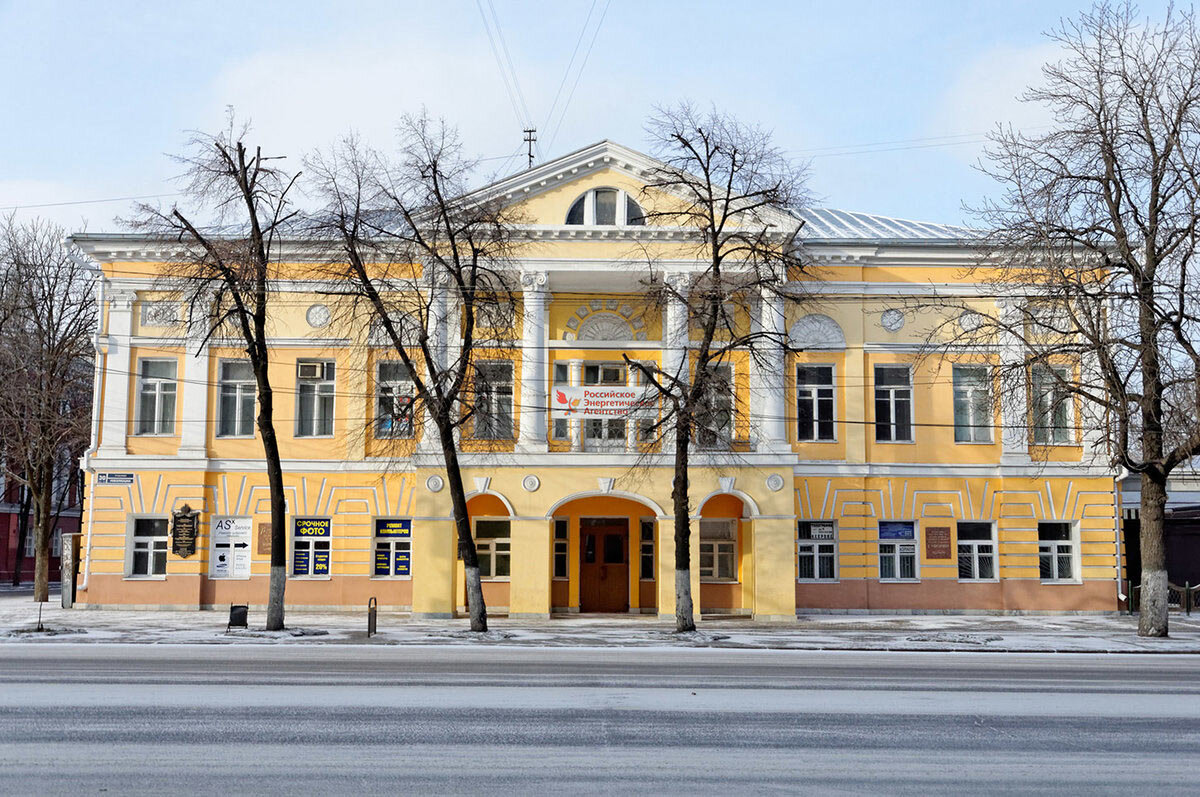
(429, 260)
(229, 240)
(1090, 256)
(736, 196)
(46, 358)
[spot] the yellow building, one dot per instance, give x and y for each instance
(852, 475)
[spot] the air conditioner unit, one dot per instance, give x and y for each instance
(310, 370)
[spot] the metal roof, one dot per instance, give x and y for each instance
(829, 224)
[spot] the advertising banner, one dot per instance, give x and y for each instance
(599, 401)
(230, 547)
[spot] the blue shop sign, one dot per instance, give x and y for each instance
(896, 530)
(312, 527)
(402, 564)
(393, 527)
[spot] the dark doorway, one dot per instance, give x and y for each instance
(604, 564)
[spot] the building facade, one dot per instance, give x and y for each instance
(848, 474)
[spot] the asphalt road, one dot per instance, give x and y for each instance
(85, 719)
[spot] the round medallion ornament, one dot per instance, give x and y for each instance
(531, 483)
(435, 483)
(317, 316)
(774, 482)
(892, 320)
(970, 320)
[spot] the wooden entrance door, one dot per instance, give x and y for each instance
(604, 564)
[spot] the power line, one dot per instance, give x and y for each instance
(582, 65)
(570, 63)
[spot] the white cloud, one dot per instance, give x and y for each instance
(986, 91)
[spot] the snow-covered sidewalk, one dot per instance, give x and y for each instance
(1074, 634)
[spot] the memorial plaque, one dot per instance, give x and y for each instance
(937, 542)
(264, 539)
(183, 531)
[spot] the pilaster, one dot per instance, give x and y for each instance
(118, 368)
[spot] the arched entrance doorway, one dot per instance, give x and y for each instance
(605, 557)
(724, 530)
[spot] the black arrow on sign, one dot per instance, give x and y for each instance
(241, 545)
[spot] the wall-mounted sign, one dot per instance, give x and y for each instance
(183, 531)
(310, 546)
(599, 401)
(114, 478)
(393, 547)
(263, 547)
(937, 542)
(393, 527)
(896, 530)
(230, 555)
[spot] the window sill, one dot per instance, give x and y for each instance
(314, 436)
(310, 578)
(899, 581)
(233, 437)
(561, 578)
(646, 580)
(706, 580)
(818, 581)
(1061, 582)
(974, 442)
(391, 578)
(395, 437)
(496, 580)
(978, 581)
(804, 442)
(154, 434)
(895, 442)
(145, 578)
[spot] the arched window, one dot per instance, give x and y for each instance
(606, 207)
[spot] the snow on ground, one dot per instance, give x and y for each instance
(1056, 633)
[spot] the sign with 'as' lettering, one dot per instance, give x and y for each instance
(230, 554)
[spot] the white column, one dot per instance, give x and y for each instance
(575, 426)
(194, 392)
(1014, 404)
(772, 423)
(675, 344)
(117, 368)
(439, 334)
(534, 397)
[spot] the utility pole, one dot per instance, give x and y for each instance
(529, 139)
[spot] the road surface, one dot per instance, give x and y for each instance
(83, 719)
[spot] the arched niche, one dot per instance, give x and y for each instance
(817, 332)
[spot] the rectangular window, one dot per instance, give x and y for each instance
(646, 550)
(816, 550)
(315, 389)
(156, 397)
(149, 547)
(897, 559)
(893, 404)
(814, 402)
(604, 434)
(561, 546)
(493, 546)
(972, 404)
(718, 550)
(562, 376)
(393, 400)
(393, 548)
(976, 551)
(235, 413)
(56, 543)
(30, 542)
(1056, 551)
(714, 415)
(494, 400)
(311, 539)
(1051, 406)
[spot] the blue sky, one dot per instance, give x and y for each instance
(97, 94)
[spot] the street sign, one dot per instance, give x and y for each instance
(230, 557)
(183, 531)
(114, 478)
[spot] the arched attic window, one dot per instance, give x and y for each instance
(606, 207)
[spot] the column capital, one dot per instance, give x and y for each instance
(534, 281)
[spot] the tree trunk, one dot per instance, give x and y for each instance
(684, 614)
(1152, 604)
(266, 427)
(462, 524)
(41, 544)
(22, 535)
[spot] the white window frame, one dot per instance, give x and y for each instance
(1043, 405)
(493, 399)
(401, 390)
(814, 399)
(612, 432)
(897, 554)
(131, 547)
(324, 393)
(312, 549)
(719, 549)
(970, 549)
(721, 437)
(589, 208)
(560, 428)
(159, 424)
(977, 399)
(30, 543)
(243, 391)
(394, 545)
(809, 547)
(1056, 548)
(892, 402)
(491, 549)
(646, 547)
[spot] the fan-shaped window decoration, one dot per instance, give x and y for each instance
(606, 207)
(817, 332)
(605, 326)
(605, 320)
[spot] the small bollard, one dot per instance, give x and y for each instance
(239, 616)
(372, 611)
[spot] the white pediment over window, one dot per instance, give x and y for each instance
(605, 320)
(817, 332)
